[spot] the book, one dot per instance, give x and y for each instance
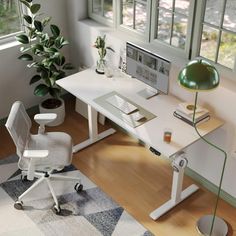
(190, 122)
(198, 116)
(186, 110)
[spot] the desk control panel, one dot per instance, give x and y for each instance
(154, 151)
(120, 103)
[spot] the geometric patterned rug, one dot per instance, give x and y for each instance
(89, 213)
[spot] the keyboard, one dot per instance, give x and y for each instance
(121, 104)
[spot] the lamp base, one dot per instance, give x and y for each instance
(204, 226)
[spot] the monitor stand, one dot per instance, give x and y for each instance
(148, 92)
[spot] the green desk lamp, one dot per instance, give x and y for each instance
(200, 75)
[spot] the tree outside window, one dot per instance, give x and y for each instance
(172, 22)
(218, 42)
(9, 17)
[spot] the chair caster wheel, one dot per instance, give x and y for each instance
(18, 205)
(78, 187)
(56, 209)
(24, 178)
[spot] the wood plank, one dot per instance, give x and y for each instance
(134, 178)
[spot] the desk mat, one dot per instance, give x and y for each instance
(119, 114)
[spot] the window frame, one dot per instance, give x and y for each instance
(193, 35)
(144, 36)
(101, 19)
(117, 20)
(183, 53)
(197, 37)
(8, 38)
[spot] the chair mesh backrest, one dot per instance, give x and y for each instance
(18, 125)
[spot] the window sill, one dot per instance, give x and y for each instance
(178, 61)
(10, 44)
(125, 36)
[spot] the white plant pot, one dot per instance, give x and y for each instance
(60, 111)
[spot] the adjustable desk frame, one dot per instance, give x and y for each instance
(94, 136)
(72, 85)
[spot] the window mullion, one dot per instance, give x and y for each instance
(102, 7)
(134, 18)
(172, 21)
(220, 30)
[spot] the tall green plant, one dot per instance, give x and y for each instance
(42, 49)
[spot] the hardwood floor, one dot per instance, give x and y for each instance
(134, 178)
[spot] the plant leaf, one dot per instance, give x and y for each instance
(28, 19)
(55, 92)
(55, 30)
(36, 48)
(25, 3)
(35, 8)
(68, 66)
(61, 75)
(110, 49)
(35, 79)
(65, 42)
(51, 50)
(29, 1)
(60, 60)
(52, 81)
(22, 38)
(32, 64)
(44, 74)
(23, 49)
(41, 90)
(38, 25)
(26, 57)
(46, 20)
(60, 42)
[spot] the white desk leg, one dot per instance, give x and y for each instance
(177, 195)
(93, 131)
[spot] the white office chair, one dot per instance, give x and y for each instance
(40, 154)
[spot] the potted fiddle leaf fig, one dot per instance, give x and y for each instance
(41, 48)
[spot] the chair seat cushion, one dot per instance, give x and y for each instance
(58, 144)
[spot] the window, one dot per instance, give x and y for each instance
(102, 9)
(190, 28)
(173, 22)
(9, 18)
(134, 14)
(218, 38)
(131, 15)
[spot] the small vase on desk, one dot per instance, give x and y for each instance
(100, 66)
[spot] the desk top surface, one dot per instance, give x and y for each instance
(88, 85)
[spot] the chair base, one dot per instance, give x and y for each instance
(48, 176)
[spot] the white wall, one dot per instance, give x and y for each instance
(203, 159)
(77, 10)
(14, 76)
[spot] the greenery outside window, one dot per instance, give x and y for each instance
(10, 23)
(102, 11)
(182, 28)
(134, 14)
(218, 37)
(173, 22)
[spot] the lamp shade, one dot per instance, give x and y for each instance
(199, 75)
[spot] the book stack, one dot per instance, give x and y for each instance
(184, 111)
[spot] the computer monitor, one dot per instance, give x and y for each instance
(148, 67)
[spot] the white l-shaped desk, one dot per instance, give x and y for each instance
(88, 85)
